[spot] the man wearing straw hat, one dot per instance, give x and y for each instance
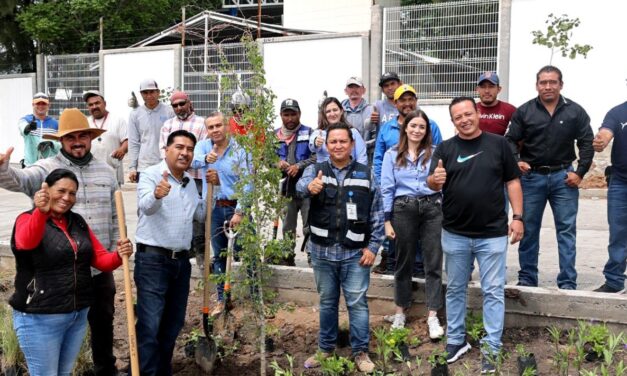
(94, 202)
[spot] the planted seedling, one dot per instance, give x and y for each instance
(474, 327)
(335, 365)
(437, 360)
(527, 365)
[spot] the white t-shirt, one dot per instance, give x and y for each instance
(103, 146)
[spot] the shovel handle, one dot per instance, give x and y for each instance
(207, 260)
(128, 292)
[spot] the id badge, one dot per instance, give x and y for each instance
(351, 211)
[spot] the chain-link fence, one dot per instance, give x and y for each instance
(67, 77)
(206, 69)
(441, 49)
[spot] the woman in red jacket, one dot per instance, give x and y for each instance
(54, 249)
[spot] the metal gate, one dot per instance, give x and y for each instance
(66, 77)
(441, 49)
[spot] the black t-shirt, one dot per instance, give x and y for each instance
(476, 170)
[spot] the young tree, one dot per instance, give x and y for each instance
(559, 32)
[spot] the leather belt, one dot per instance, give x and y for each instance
(175, 255)
(226, 203)
(545, 170)
(431, 197)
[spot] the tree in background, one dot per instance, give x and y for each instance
(559, 32)
(17, 50)
(72, 26)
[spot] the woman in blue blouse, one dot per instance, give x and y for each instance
(413, 213)
(332, 112)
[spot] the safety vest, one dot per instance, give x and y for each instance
(328, 220)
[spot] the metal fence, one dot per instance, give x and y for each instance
(67, 77)
(212, 73)
(441, 49)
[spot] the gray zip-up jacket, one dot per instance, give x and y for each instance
(144, 128)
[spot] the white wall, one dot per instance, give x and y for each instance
(121, 73)
(16, 95)
(327, 15)
(598, 82)
(297, 69)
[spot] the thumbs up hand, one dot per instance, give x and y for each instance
(374, 117)
(316, 186)
(163, 188)
(42, 198)
(212, 157)
(438, 178)
(6, 157)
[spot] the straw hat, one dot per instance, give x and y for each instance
(72, 120)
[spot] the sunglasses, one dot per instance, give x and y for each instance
(179, 104)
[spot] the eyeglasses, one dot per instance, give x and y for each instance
(179, 104)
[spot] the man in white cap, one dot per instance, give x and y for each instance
(34, 126)
(144, 127)
(94, 201)
(112, 146)
(357, 109)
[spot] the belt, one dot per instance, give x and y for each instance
(545, 170)
(430, 197)
(176, 255)
(226, 203)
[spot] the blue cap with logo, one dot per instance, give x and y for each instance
(489, 76)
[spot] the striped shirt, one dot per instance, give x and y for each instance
(144, 128)
(193, 124)
(95, 200)
(337, 252)
(167, 222)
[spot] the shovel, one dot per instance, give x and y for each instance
(128, 292)
(206, 349)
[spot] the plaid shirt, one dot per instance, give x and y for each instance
(95, 200)
(193, 124)
(337, 252)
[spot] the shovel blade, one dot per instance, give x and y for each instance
(206, 355)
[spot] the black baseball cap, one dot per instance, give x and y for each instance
(290, 104)
(388, 76)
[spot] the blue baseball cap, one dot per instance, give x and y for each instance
(489, 76)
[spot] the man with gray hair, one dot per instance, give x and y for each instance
(144, 127)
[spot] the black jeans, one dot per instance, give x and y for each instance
(100, 319)
(418, 220)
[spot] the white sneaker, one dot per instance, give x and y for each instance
(399, 321)
(435, 329)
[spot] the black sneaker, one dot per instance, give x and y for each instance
(455, 352)
(606, 288)
(487, 365)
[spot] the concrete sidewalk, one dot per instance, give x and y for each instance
(592, 237)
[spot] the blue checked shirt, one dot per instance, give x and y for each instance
(167, 222)
(337, 252)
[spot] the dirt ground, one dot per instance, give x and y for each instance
(295, 333)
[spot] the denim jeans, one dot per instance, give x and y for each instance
(418, 221)
(162, 290)
(100, 320)
(50, 342)
(537, 190)
(219, 242)
(353, 280)
(290, 219)
(614, 270)
(491, 255)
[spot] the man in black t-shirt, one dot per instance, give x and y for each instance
(471, 169)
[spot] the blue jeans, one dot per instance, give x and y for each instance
(564, 200)
(614, 270)
(219, 242)
(50, 342)
(353, 279)
(491, 255)
(162, 290)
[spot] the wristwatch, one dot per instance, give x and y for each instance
(517, 217)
